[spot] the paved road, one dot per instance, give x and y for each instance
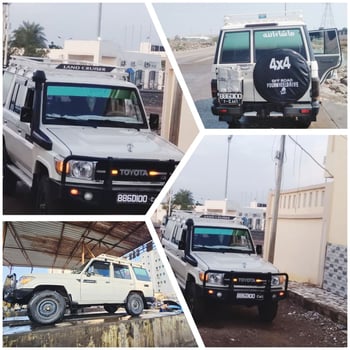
(195, 66)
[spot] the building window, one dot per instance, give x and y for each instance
(310, 199)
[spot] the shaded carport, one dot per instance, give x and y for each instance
(65, 245)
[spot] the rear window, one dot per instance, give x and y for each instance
(269, 39)
(235, 47)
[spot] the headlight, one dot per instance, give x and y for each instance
(82, 169)
(212, 278)
(277, 280)
(25, 280)
(79, 169)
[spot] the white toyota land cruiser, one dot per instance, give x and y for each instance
(79, 134)
(271, 66)
(105, 280)
(214, 260)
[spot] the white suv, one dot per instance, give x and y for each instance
(78, 133)
(271, 66)
(214, 260)
(105, 280)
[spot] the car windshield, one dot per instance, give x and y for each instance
(79, 268)
(224, 239)
(93, 105)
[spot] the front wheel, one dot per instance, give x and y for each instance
(194, 301)
(46, 307)
(134, 304)
(45, 201)
(268, 310)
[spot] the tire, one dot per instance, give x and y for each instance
(286, 65)
(111, 309)
(195, 303)
(46, 307)
(134, 304)
(267, 311)
(45, 201)
(9, 178)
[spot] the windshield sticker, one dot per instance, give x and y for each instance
(78, 91)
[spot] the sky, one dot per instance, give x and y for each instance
(125, 24)
(207, 18)
(252, 167)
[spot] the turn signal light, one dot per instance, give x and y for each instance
(114, 171)
(74, 191)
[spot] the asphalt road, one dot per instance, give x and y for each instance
(195, 66)
(294, 326)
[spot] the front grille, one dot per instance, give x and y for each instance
(134, 170)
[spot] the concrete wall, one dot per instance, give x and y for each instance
(162, 331)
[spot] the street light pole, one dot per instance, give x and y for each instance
(227, 168)
(280, 158)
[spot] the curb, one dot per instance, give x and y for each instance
(335, 314)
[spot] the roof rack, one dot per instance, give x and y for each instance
(27, 63)
(263, 18)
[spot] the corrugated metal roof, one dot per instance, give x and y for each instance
(66, 244)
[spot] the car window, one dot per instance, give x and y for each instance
(141, 274)
(324, 42)
(221, 239)
(269, 39)
(235, 47)
(73, 104)
(121, 271)
(99, 268)
(6, 84)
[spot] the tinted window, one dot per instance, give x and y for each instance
(235, 47)
(99, 268)
(93, 105)
(267, 40)
(141, 274)
(324, 42)
(121, 271)
(6, 84)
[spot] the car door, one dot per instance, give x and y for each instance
(327, 51)
(16, 132)
(121, 282)
(96, 287)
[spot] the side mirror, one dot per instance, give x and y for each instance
(259, 249)
(154, 121)
(26, 114)
(181, 245)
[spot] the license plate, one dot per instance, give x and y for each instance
(230, 96)
(245, 296)
(132, 198)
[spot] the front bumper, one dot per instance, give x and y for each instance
(17, 296)
(243, 288)
(136, 188)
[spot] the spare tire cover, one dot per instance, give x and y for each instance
(281, 76)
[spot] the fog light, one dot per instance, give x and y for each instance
(219, 294)
(281, 294)
(88, 196)
(74, 191)
(210, 291)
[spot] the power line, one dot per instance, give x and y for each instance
(318, 163)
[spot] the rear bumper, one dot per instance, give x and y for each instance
(306, 111)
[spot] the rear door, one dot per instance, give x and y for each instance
(327, 51)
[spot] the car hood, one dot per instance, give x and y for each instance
(234, 262)
(113, 142)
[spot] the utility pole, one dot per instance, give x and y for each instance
(227, 168)
(5, 31)
(99, 21)
(280, 159)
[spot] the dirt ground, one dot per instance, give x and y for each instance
(294, 326)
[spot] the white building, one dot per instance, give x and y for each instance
(161, 283)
